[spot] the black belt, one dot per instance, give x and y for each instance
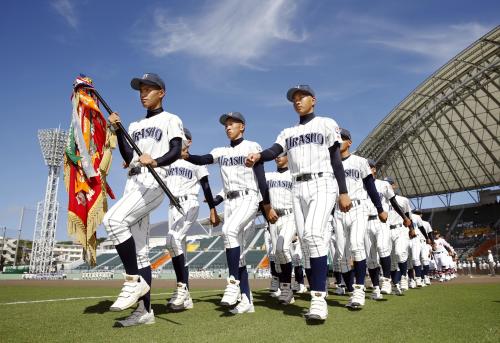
(134, 171)
(395, 226)
(307, 176)
(182, 198)
(283, 211)
(236, 194)
(372, 217)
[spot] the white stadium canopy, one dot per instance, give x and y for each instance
(443, 137)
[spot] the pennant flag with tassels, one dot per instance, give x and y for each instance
(86, 164)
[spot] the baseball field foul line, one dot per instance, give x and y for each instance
(99, 297)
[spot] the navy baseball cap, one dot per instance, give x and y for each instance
(187, 133)
(372, 163)
(417, 211)
(147, 79)
(302, 88)
(345, 134)
(234, 115)
(389, 179)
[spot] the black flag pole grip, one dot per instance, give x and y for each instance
(173, 199)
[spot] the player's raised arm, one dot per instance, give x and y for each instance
(267, 155)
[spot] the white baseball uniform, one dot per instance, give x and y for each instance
(241, 190)
(378, 235)
(142, 193)
(351, 226)
(314, 188)
(426, 248)
(183, 181)
(416, 242)
(441, 253)
(283, 231)
(399, 233)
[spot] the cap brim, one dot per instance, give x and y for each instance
(291, 92)
(224, 117)
(136, 83)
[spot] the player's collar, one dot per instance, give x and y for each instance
(345, 158)
(282, 170)
(152, 113)
(307, 118)
(236, 142)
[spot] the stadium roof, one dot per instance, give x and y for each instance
(443, 137)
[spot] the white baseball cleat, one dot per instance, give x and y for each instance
(172, 299)
(376, 294)
(231, 293)
(133, 288)
(396, 289)
(357, 300)
(404, 283)
(419, 282)
(183, 298)
(318, 309)
(275, 284)
(302, 289)
(245, 306)
(441, 279)
(286, 296)
(339, 290)
(412, 284)
(427, 280)
(276, 294)
(447, 277)
(138, 317)
(385, 287)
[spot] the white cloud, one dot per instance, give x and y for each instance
(229, 32)
(66, 9)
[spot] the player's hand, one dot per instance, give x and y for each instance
(185, 154)
(383, 216)
(412, 233)
(252, 159)
(344, 202)
(114, 119)
(270, 213)
(147, 160)
(407, 222)
(214, 217)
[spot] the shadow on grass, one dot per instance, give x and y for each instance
(215, 300)
(101, 307)
(264, 299)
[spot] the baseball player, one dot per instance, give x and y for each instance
(282, 232)
(350, 227)
(312, 147)
(159, 136)
(241, 186)
(184, 180)
(399, 238)
(442, 250)
(418, 245)
(426, 240)
(378, 238)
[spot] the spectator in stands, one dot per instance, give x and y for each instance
(491, 263)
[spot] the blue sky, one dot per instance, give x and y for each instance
(361, 57)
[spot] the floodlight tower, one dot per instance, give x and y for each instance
(52, 142)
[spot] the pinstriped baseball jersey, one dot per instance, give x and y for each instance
(235, 175)
(441, 245)
(417, 222)
(183, 177)
(356, 168)
(394, 218)
(152, 135)
(385, 193)
(280, 189)
(307, 145)
(427, 226)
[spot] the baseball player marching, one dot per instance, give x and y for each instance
(159, 136)
(378, 238)
(312, 147)
(241, 186)
(282, 232)
(184, 180)
(350, 227)
(400, 241)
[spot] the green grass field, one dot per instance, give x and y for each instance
(441, 313)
